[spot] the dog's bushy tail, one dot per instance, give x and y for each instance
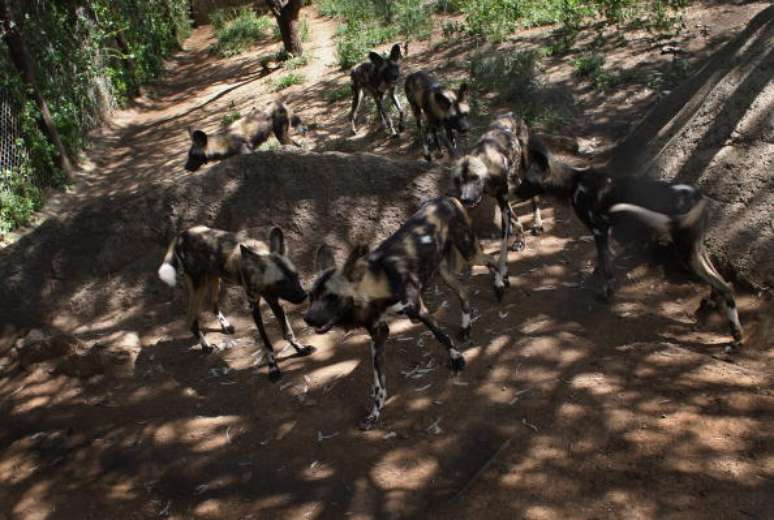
(168, 269)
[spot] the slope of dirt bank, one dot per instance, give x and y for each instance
(717, 130)
(103, 257)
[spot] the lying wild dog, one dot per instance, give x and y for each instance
(437, 238)
(600, 200)
(493, 167)
(444, 109)
(206, 256)
(244, 135)
(378, 76)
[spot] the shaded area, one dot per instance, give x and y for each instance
(717, 131)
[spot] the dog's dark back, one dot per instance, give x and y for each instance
(379, 74)
(442, 106)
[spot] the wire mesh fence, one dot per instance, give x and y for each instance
(13, 153)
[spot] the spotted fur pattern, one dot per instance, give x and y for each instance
(600, 200)
(206, 257)
(378, 76)
(493, 167)
(372, 285)
(445, 110)
(244, 135)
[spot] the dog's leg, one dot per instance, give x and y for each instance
(357, 98)
(505, 225)
(386, 121)
(537, 220)
(604, 262)
(197, 291)
(722, 292)
(451, 142)
(215, 292)
(379, 334)
(517, 230)
(437, 138)
(287, 330)
(268, 348)
(462, 294)
(401, 124)
(415, 310)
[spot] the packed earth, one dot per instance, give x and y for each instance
(568, 407)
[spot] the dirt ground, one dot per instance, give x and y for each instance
(568, 407)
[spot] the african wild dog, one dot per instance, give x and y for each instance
(207, 256)
(244, 135)
(444, 109)
(494, 167)
(601, 201)
(378, 76)
(437, 238)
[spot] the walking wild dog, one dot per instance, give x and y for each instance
(444, 109)
(600, 200)
(494, 167)
(378, 76)
(244, 135)
(437, 238)
(206, 256)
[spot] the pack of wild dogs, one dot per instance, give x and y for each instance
(507, 163)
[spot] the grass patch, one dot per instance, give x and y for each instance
(288, 80)
(514, 79)
(238, 30)
(337, 94)
(231, 116)
(295, 62)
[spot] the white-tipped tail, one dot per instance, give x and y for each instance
(652, 218)
(168, 274)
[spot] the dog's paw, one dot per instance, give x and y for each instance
(401, 128)
(275, 375)
(369, 423)
(394, 136)
(428, 157)
(499, 292)
(537, 230)
(228, 330)
(457, 364)
(465, 334)
(518, 245)
(305, 350)
(207, 349)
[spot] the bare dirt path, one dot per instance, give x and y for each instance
(568, 408)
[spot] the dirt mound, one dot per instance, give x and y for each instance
(103, 259)
(717, 131)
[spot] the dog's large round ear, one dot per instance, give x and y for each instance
(375, 58)
(395, 54)
(350, 265)
(324, 259)
(277, 241)
(198, 137)
(442, 101)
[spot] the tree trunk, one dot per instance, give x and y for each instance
(286, 13)
(23, 63)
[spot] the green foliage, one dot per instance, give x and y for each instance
(237, 30)
(295, 62)
(413, 18)
(355, 41)
(338, 93)
(288, 80)
(513, 79)
(19, 200)
(81, 58)
(231, 116)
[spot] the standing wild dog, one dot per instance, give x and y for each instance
(494, 167)
(437, 238)
(600, 200)
(444, 109)
(244, 135)
(378, 76)
(206, 256)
